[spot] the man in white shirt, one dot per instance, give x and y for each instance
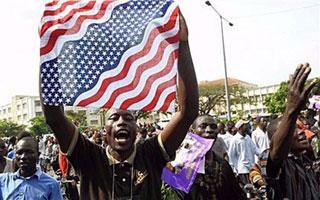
(241, 152)
(259, 136)
(225, 132)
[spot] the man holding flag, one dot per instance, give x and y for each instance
(126, 170)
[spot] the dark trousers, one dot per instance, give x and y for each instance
(243, 179)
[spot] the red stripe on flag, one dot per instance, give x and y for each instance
(53, 3)
(168, 101)
(57, 33)
(159, 91)
(66, 18)
(106, 82)
(150, 81)
(58, 10)
(151, 63)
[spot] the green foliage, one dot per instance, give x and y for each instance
(276, 102)
(210, 96)
(39, 126)
(167, 193)
(79, 117)
(316, 89)
(9, 128)
(214, 95)
(139, 114)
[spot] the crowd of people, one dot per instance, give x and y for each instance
(125, 160)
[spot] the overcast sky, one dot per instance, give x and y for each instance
(268, 39)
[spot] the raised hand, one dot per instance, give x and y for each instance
(297, 91)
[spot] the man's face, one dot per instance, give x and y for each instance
(229, 127)
(27, 156)
(263, 123)
(300, 142)
(221, 128)
(244, 129)
(121, 129)
(206, 127)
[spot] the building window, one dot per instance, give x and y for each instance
(9, 110)
(38, 114)
(19, 117)
(24, 106)
(19, 107)
(94, 122)
(37, 103)
(25, 116)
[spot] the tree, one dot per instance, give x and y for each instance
(276, 102)
(209, 96)
(9, 128)
(77, 117)
(214, 95)
(39, 126)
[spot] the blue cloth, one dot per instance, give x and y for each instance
(11, 154)
(39, 186)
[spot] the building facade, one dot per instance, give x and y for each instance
(23, 108)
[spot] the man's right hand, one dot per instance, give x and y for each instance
(297, 92)
(297, 96)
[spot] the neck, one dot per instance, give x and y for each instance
(120, 155)
(27, 173)
(263, 129)
(242, 133)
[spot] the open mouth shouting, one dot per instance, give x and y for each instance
(122, 136)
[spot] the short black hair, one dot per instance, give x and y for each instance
(193, 126)
(273, 126)
(23, 134)
(12, 140)
(28, 135)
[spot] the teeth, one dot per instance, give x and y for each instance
(121, 140)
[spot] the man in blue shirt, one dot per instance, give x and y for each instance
(29, 182)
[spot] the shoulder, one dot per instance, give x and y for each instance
(4, 176)
(151, 142)
(48, 179)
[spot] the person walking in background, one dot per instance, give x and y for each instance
(29, 182)
(226, 134)
(241, 152)
(259, 135)
(6, 164)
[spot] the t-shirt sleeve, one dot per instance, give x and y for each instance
(85, 154)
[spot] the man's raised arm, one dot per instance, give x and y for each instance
(62, 128)
(188, 97)
(297, 97)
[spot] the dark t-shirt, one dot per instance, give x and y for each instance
(96, 173)
(218, 182)
(292, 179)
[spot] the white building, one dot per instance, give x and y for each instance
(23, 108)
(257, 97)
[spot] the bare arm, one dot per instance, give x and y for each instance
(62, 128)
(297, 96)
(188, 96)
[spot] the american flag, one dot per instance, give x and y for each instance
(103, 54)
